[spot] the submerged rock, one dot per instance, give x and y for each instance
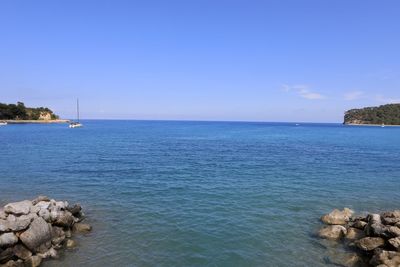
(70, 244)
(33, 261)
(332, 232)
(349, 259)
(337, 216)
(82, 227)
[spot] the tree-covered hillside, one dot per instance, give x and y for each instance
(386, 114)
(20, 112)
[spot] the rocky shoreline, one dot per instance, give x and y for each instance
(35, 121)
(31, 231)
(369, 240)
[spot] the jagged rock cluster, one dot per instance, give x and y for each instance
(31, 231)
(372, 240)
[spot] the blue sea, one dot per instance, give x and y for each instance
(170, 193)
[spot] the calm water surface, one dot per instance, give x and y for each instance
(202, 193)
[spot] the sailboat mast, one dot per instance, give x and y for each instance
(77, 107)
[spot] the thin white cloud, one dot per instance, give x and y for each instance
(354, 95)
(386, 100)
(303, 91)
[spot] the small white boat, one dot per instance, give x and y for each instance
(3, 123)
(76, 124)
(383, 125)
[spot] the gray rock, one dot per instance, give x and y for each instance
(8, 239)
(18, 208)
(57, 235)
(395, 242)
(45, 214)
(75, 209)
(22, 252)
(30, 217)
(43, 205)
(3, 214)
(33, 261)
(85, 228)
(370, 243)
(38, 234)
(6, 254)
(63, 218)
(375, 227)
(337, 217)
(12, 263)
(332, 232)
(51, 253)
(39, 199)
(17, 225)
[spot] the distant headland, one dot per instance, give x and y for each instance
(18, 113)
(386, 114)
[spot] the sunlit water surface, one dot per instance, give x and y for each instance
(202, 193)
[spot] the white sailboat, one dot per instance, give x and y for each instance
(76, 124)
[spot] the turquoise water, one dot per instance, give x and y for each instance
(202, 193)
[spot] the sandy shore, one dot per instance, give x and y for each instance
(374, 125)
(35, 121)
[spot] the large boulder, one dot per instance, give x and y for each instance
(386, 258)
(370, 243)
(14, 225)
(375, 227)
(38, 235)
(391, 218)
(332, 232)
(395, 242)
(337, 216)
(18, 208)
(394, 231)
(8, 239)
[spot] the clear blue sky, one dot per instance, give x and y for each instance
(202, 60)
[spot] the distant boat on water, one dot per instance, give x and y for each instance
(383, 125)
(76, 124)
(3, 123)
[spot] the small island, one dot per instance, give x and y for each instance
(18, 113)
(386, 114)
